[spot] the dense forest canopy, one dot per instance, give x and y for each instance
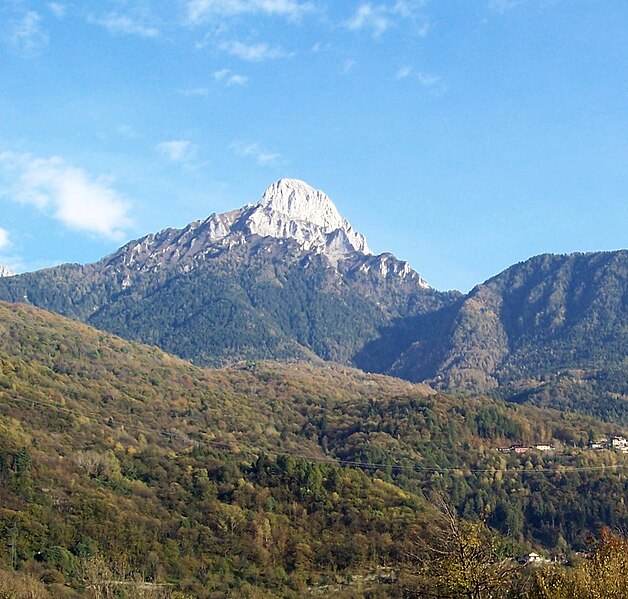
(551, 331)
(119, 458)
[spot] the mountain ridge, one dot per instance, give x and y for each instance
(288, 209)
(288, 278)
(243, 284)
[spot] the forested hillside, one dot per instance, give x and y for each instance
(551, 331)
(120, 461)
(264, 299)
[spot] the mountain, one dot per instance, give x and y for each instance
(288, 278)
(289, 209)
(552, 330)
(284, 278)
(5, 271)
(117, 459)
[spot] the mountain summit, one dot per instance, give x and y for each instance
(286, 277)
(293, 209)
(299, 201)
(289, 209)
(5, 271)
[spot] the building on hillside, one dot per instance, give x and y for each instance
(597, 445)
(544, 446)
(619, 444)
(525, 448)
(616, 443)
(533, 558)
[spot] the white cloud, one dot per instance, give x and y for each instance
(403, 72)
(237, 80)
(253, 150)
(378, 18)
(427, 80)
(229, 78)
(319, 47)
(347, 65)
(432, 83)
(27, 35)
(68, 194)
(220, 75)
(371, 17)
(200, 10)
(177, 150)
(57, 9)
(253, 53)
(125, 25)
(408, 8)
(4, 238)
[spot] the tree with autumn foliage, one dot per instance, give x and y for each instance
(456, 558)
(603, 574)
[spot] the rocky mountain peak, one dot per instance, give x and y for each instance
(293, 209)
(299, 201)
(5, 271)
(289, 209)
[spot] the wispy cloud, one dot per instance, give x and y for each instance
(502, 6)
(198, 11)
(427, 80)
(177, 150)
(379, 18)
(403, 72)
(237, 80)
(253, 53)
(12, 262)
(57, 9)
(4, 238)
(192, 92)
(375, 18)
(125, 25)
(430, 82)
(229, 78)
(27, 35)
(320, 47)
(348, 65)
(255, 151)
(67, 193)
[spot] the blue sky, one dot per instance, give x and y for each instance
(461, 135)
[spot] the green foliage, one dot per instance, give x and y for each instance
(117, 458)
(551, 331)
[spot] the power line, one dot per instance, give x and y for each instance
(256, 451)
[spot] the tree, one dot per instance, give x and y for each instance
(454, 558)
(603, 575)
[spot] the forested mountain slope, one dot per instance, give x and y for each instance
(286, 278)
(289, 279)
(553, 330)
(243, 476)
